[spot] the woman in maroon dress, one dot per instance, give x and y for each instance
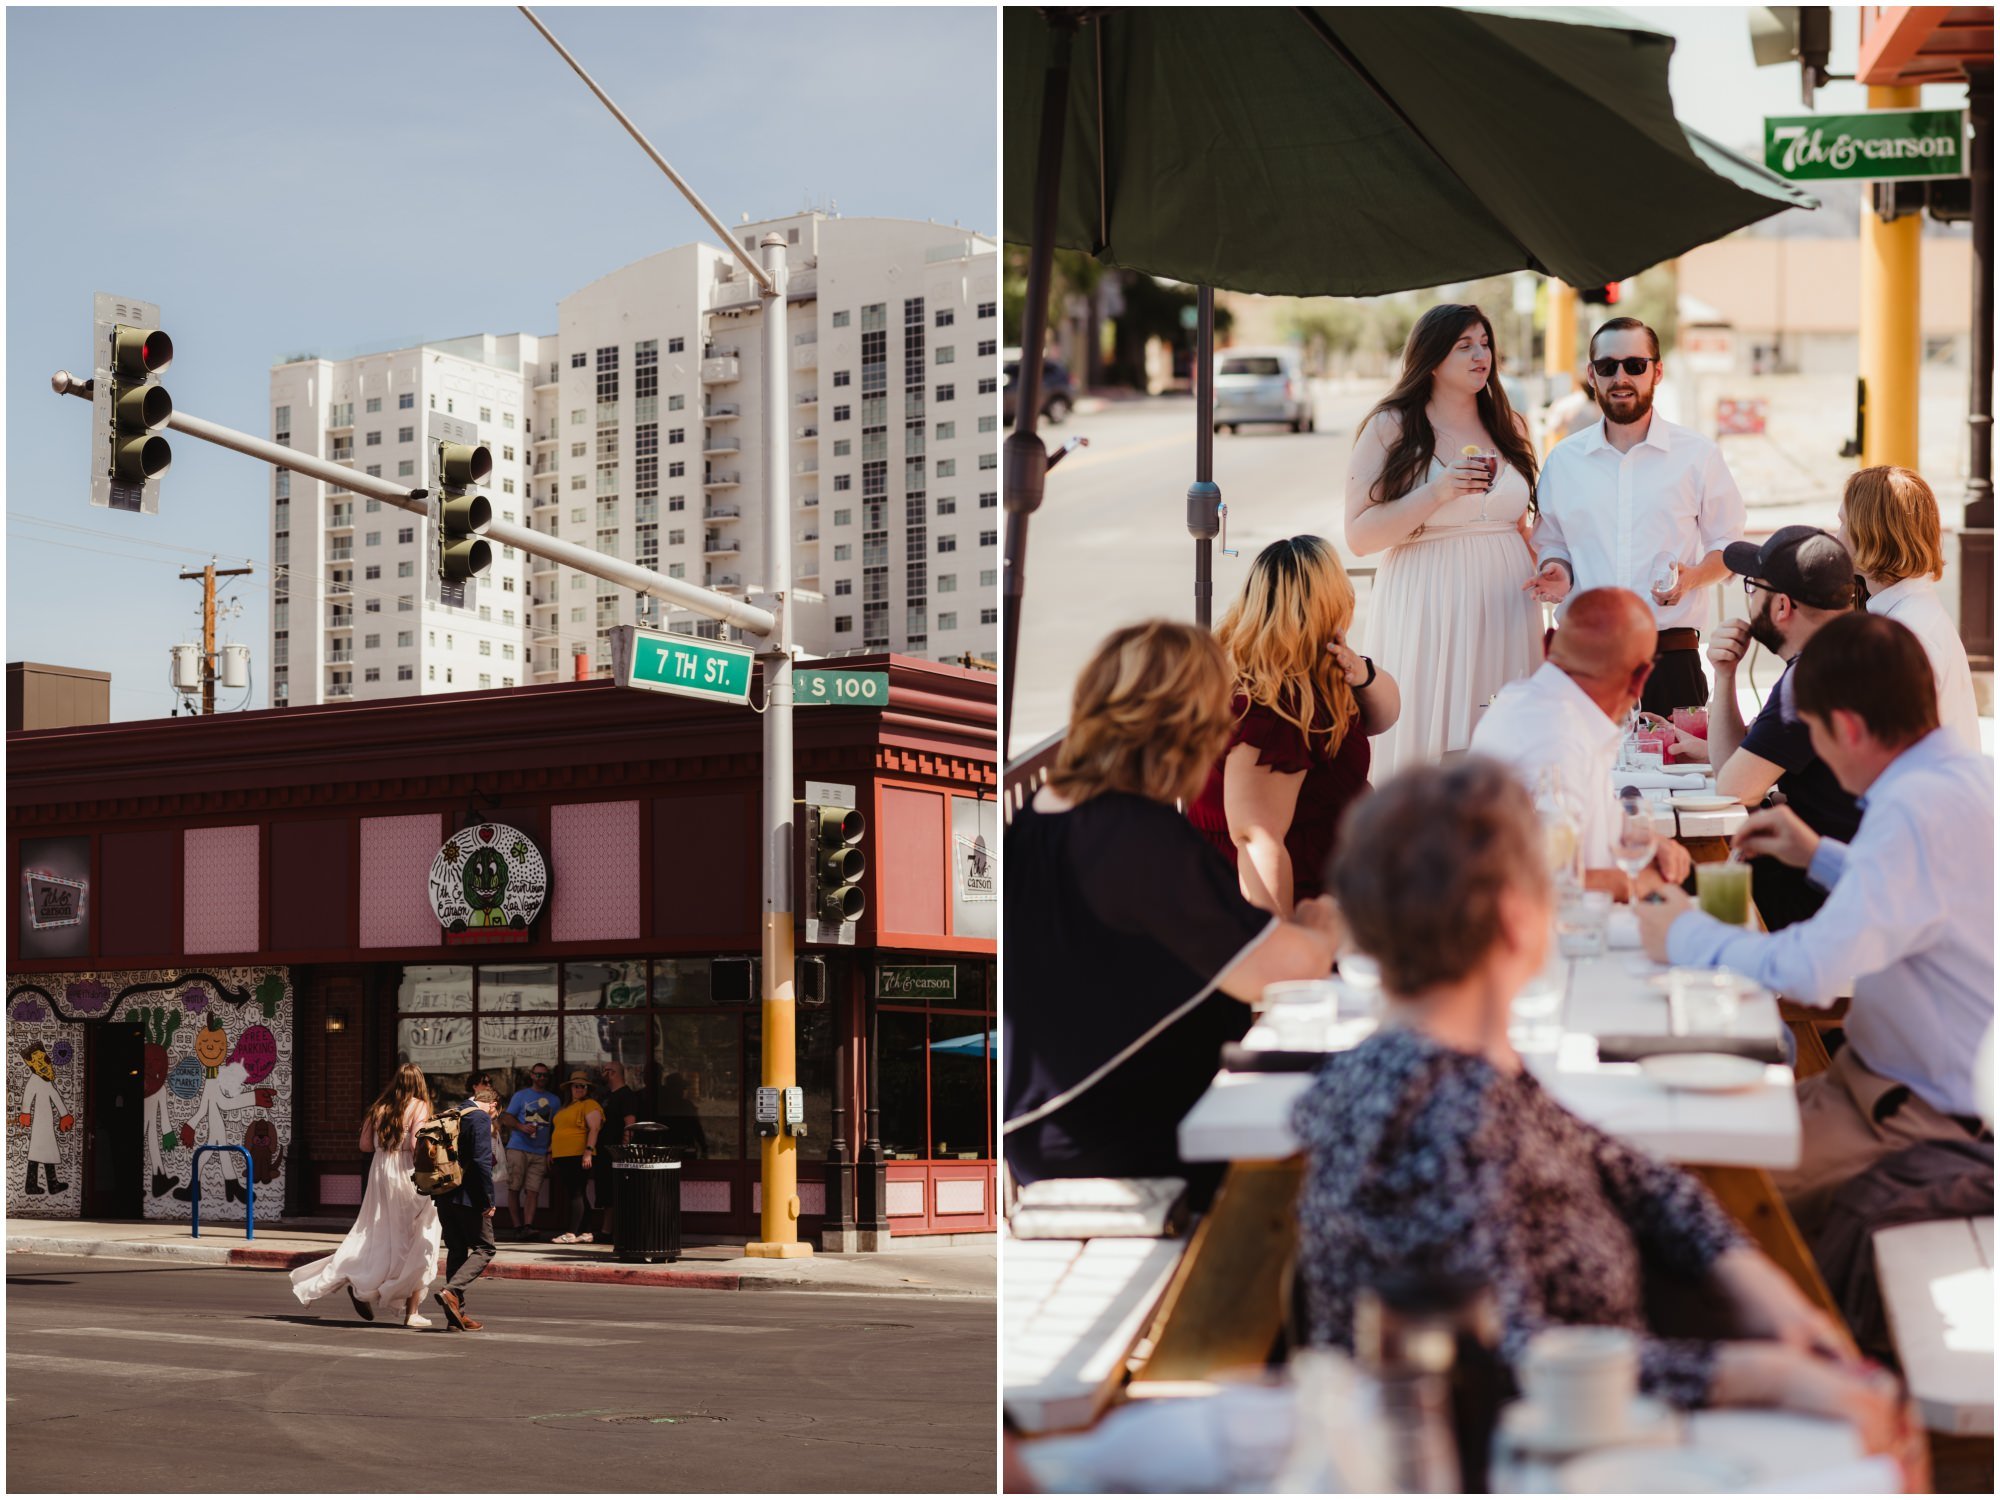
(1305, 705)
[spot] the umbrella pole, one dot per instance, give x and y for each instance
(1204, 496)
(1027, 457)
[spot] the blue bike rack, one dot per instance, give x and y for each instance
(249, 1189)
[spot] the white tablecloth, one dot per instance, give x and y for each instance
(1247, 1116)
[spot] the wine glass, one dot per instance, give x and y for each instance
(1662, 575)
(1633, 839)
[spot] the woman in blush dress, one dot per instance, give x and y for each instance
(1304, 706)
(391, 1253)
(1451, 623)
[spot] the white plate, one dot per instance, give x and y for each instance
(1651, 1471)
(1531, 1428)
(1703, 1072)
(1703, 802)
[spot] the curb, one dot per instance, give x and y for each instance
(252, 1258)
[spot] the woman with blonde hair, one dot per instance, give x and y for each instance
(1305, 705)
(1129, 944)
(390, 1255)
(1889, 521)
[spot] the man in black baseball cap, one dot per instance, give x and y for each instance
(1799, 579)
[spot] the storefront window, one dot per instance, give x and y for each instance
(504, 987)
(591, 1041)
(683, 981)
(700, 1061)
(961, 1057)
(901, 1054)
(617, 985)
(433, 988)
(441, 1046)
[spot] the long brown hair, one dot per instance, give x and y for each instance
(1150, 716)
(1295, 601)
(1414, 444)
(385, 1115)
(1892, 524)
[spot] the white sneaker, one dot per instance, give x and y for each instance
(417, 1320)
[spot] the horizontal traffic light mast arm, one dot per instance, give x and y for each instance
(539, 544)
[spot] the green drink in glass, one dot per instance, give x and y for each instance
(1723, 891)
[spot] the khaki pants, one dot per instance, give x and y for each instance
(1840, 1138)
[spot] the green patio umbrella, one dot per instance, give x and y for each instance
(1341, 151)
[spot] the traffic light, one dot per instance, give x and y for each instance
(1601, 296)
(129, 405)
(462, 515)
(834, 864)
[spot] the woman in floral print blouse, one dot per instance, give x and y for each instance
(1432, 1149)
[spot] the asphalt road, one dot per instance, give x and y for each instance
(128, 1376)
(1110, 543)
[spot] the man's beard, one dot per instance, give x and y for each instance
(1764, 633)
(1633, 409)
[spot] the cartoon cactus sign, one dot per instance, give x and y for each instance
(488, 884)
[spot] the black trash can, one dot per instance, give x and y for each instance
(648, 1196)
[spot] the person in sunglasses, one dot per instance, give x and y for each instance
(1640, 503)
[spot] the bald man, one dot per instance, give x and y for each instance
(1570, 716)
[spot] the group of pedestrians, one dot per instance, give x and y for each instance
(1380, 808)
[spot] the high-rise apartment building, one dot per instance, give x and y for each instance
(356, 612)
(634, 430)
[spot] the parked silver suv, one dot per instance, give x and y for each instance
(1261, 385)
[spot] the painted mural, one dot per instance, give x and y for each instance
(218, 1071)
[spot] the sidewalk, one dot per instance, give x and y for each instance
(959, 1270)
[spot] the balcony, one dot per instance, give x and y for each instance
(809, 502)
(721, 411)
(805, 357)
(713, 482)
(340, 554)
(340, 619)
(341, 691)
(720, 366)
(806, 434)
(547, 439)
(342, 453)
(727, 581)
(721, 512)
(806, 398)
(340, 654)
(739, 293)
(340, 518)
(806, 466)
(544, 565)
(722, 442)
(721, 546)
(809, 538)
(340, 589)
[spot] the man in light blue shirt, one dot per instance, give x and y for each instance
(1908, 917)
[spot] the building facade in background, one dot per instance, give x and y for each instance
(634, 430)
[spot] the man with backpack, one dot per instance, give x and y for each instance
(466, 1213)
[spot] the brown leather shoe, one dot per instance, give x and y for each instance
(453, 1313)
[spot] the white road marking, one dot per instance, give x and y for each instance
(111, 1369)
(622, 1326)
(351, 1350)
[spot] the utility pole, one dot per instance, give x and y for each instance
(206, 577)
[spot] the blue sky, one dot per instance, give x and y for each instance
(300, 165)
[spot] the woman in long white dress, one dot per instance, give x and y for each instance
(1448, 617)
(390, 1256)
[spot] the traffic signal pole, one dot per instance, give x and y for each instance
(750, 617)
(778, 1218)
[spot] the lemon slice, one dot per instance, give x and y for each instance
(1472, 451)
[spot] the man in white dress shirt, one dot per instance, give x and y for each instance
(1568, 717)
(1625, 497)
(1908, 915)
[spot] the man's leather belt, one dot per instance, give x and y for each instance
(1680, 638)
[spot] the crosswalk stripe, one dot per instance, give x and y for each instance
(488, 1336)
(351, 1350)
(622, 1326)
(111, 1369)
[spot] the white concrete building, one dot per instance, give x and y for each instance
(356, 612)
(633, 429)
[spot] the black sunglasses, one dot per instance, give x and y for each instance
(1637, 364)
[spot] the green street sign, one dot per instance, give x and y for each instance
(668, 663)
(854, 689)
(1881, 145)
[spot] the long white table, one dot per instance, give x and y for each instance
(1247, 1116)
